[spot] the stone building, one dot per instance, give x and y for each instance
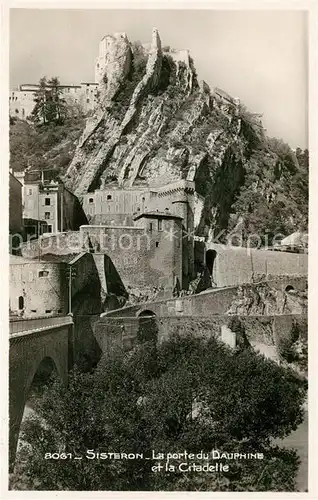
(145, 255)
(84, 96)
(121, 207)
(37, 288)
(48, 201)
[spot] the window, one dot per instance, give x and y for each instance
(91, 200)
(59, 311)
(150, 226)
(30, 191)
(42, 274)
(157, 244)
(159, 225)
(47, 311)
(21, 302)
(47, 201)
(49, 228)
(47, 215)
(109, 197)
(33, 310)
(87, 101)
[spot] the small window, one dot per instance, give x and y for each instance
(47, 215)
(48, 311)
(157, 244)
(91, 200)
(109, 197)
(47, 201)
(150, 226)
(42, 274)
(59, 311)
(21, 302)
(30, 191)
(159, 225)
(49, 228)
(33, 310)
(87, 101)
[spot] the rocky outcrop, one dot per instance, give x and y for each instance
(157, 124)
(264, 300)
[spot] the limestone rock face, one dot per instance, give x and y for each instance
(156, 124)
(114, 64)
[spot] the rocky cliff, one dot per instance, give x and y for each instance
(156, 123)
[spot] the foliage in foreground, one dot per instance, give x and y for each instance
(185, 394)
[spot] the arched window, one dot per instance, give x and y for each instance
(289, 288)
(21, 302)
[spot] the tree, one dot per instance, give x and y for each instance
(49, 106)
(57, 107)
(187, 393)
(40, 111)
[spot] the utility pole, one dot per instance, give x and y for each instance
(61, 195)
(71, 274)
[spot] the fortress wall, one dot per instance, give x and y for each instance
(141, 258)
(260, 331)
(236, 265)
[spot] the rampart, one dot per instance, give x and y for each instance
(234, 265)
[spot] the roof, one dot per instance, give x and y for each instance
(156, 213)
(18, 260)
(297, 239)
(14, 179)
(53, 258)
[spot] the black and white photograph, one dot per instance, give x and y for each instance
(158, 185)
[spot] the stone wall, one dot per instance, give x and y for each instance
(234, 265)
(264, 334)
(141, 258)
(219, 301)
(65, 243)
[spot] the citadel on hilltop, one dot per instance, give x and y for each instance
(84, 95)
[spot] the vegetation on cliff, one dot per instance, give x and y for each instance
(187, 393)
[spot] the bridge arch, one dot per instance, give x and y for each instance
(30, 358)
(289, 288)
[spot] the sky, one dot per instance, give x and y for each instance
(259, 56)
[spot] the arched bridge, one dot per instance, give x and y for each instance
(31, 342)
